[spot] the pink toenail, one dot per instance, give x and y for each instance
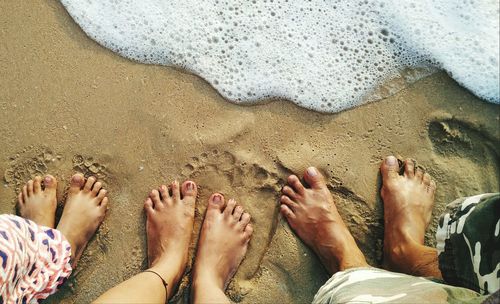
(312, 171)
(48, 179)
(217, 198)
(190, 186)
(391, 161)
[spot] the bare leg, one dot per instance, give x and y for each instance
(169, 226)
(312, 214)
(408, 202)
(38, 202)
(223, 243)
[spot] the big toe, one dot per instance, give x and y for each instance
(76, 183)
(50, 183)
(189, 192)
(389, 168)
(216, 203)
(314, 178)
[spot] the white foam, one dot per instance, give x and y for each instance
(325, 55)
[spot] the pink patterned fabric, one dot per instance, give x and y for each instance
(34, 260)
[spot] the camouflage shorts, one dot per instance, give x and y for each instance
(468, 245)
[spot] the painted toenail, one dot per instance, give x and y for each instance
(312, 171)
(391, 161)
(217, 199)
(190, 186)
(77, 178)
(48, 179)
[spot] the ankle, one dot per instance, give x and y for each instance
(207, 279)
(346, 254)
(398, 253)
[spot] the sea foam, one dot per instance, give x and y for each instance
(325, 55)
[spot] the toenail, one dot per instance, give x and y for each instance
(312, 171)
(391, 161)
(190, 186)
(48, 179)
(77, 178)
(217, 198)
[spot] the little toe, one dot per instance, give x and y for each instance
(25, 192)
(96, 188)
(296, 185)
(389, 168)
(314, 178)
(76, 183)
(189, 192)
(216, 203)
(37, 184)
(155, 197)
(409, 168)
(289, 192)
(148, 205)
(20, 199)
(238, 211)
(176, 193)
(104, 203)
(228, 211)
(29, 186)
(287, 212)
(50, 184)
(432, 187)
(88, 185)
(248, 231)
(426, 180)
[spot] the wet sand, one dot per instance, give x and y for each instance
(69, 105)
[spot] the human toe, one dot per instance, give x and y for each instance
(37, 184)
(228, 210)
(389, 168)
(314, 178)
(295, 184)
(189, 191)
(50, 183)
(89, 184)
(409, 168)
(76, 183)
(216, 202)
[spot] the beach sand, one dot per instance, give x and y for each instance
(68, 104)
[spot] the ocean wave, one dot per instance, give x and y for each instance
(323, 55)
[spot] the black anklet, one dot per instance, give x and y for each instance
(162, 280)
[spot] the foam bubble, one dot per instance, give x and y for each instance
(323, 55)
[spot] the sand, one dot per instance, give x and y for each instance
(69, 105)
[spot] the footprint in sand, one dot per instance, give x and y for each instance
(255, 187)
(469, 154)
(40, 160)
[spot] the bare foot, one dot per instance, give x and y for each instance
(37, 201)
(223, 243)
(408, 202)
(170, 218)
(312, 214)
(83, 212)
